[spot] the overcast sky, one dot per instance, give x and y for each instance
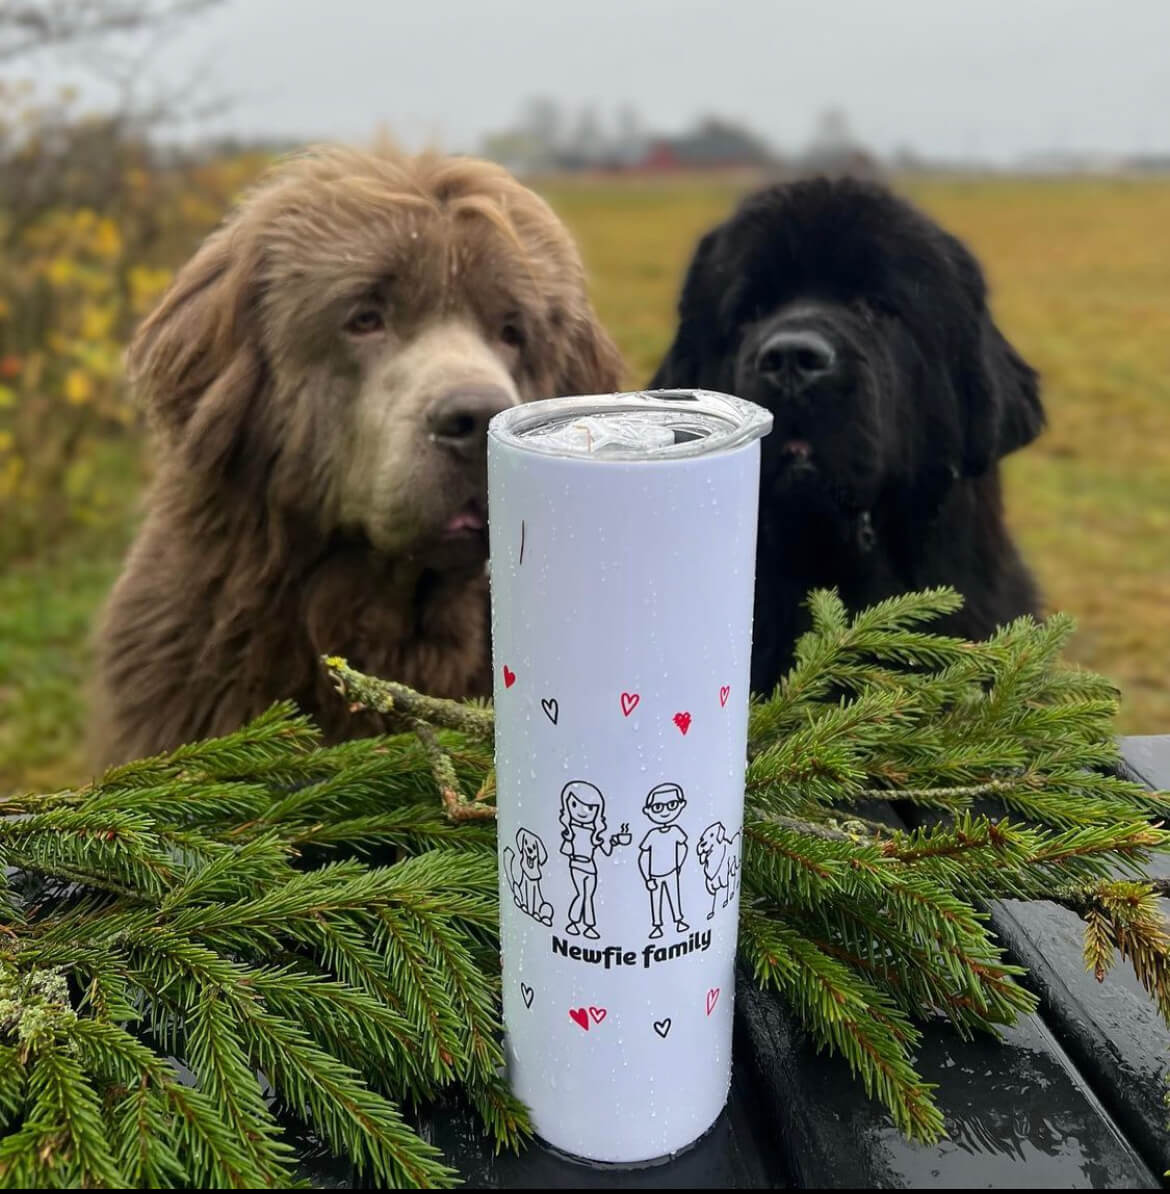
(993, 78)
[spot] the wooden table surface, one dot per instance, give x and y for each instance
(1071, 1097)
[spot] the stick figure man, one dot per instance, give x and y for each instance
(662, 853)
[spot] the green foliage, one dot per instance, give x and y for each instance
(92, 226)
(880, 922)
(315, 937)
(174, 897)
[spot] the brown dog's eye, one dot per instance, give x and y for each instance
(512, 335)
(365, 321)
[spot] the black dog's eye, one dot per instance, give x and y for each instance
(365, 321)
(512, 335)
(872, 308)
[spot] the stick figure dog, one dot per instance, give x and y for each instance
(526, 885)
(719, 856)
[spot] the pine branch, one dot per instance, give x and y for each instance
(845, 1012)
(222, 1065)
(1126, 916)
(413, 828)
(74, 1139)
(318, 925)
(177, 955)
(902, 926)
(354, 1120)
(278, 737)
(165, 1127)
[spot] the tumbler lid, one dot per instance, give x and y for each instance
(645, 425)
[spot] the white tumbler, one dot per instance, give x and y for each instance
(623, 540)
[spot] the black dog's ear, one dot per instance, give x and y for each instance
(1003, 401)
(1021, 416)
(695, 346)
(1000, 390)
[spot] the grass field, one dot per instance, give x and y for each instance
(1080, 272)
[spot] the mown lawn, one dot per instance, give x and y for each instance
(1081, 280)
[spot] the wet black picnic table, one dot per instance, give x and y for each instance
(1073, 1096)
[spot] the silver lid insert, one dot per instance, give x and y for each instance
(645, 425)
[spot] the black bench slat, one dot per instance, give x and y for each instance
(1018, 1115)
(1148, 758)
(1112, 1030)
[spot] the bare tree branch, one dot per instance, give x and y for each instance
(142, 101)
(27, 26)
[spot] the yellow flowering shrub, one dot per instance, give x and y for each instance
(91, 230)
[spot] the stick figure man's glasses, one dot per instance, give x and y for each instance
(665, 806)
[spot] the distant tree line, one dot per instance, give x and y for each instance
(546, 137)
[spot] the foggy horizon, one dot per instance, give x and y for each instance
(995, 85)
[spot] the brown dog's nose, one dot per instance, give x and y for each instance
(458, 419)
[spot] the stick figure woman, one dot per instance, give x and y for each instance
(582, 835)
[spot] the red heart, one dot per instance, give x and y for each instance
(629, 702)
(598, 1014)
(724, 693)
(579, 1016)
(683, 721)
(712, 999)
(509, 676)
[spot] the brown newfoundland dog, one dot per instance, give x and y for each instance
(320, 376)
(865, 329)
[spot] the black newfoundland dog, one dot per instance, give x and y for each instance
(864, 328)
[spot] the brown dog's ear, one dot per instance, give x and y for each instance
(195, 361)
(592, 363)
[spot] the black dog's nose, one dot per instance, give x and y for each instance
(458, 419)
(794, 358)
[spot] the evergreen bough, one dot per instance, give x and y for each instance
(200, 949)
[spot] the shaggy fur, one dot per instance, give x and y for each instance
(864, 328)
(316, 491)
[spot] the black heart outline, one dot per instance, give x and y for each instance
(662, 1027)
(526, 993)
(551, 709)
